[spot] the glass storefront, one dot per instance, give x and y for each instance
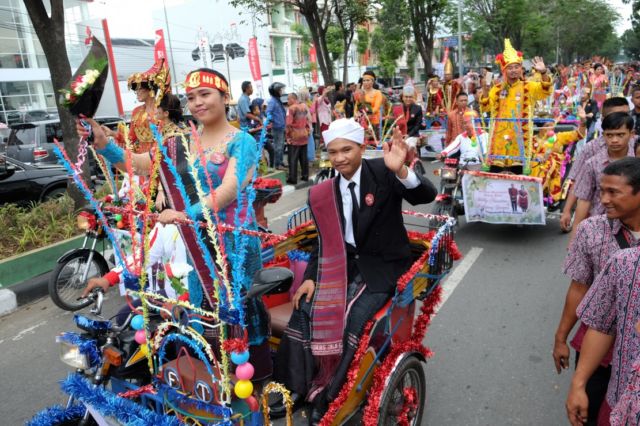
(21, 49)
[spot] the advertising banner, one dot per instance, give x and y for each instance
(500, 198)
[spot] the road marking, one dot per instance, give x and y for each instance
(26, 331)
(287, 214)
(458, 274)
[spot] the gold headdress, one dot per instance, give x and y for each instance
(448, 67)
(157, 79)
(509, 56)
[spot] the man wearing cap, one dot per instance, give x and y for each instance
(361, 252)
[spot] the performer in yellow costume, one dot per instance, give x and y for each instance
(513, 98)
(548, 155)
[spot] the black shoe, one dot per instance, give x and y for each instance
(292, 182)
(277, 410)
(315, 416)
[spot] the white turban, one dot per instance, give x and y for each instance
(344, 128)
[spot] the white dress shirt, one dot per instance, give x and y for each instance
(410, 182)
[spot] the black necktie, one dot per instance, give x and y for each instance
(354, 209)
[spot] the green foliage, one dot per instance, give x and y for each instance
(575, 29)
(334, 41)
(389, 37)
(39, 225)
(631, 44)
(303, 32)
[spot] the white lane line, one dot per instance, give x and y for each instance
(29, 330)
(283, 215)
(458, 274)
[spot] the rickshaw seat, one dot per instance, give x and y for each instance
(280, 318)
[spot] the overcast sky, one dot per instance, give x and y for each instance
(133, 18)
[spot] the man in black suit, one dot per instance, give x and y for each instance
(412, 112)
(362, 239)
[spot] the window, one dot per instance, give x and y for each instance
(53, 131)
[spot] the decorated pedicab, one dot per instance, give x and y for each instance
(522, 156)
(192, 359)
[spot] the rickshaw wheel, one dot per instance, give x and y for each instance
(408, 374)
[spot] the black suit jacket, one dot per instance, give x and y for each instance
(414, 120)
(383, 252)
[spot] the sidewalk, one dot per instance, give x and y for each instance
(32, 289)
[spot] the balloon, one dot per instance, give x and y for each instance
(118, 217)
(137, 322)
(141, 337)
(239, 357)
(243, 389)
(252, 402)
(120, 224)
(245, 371)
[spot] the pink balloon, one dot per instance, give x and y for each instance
(141, 337)
(252, 402)
(245, 371)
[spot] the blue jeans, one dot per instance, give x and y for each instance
(278, 145)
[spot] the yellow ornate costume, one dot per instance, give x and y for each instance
(548, 154)
(506, 101)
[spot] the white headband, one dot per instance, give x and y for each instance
(344, 128)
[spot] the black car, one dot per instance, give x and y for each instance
(22, 183)
(32, 143)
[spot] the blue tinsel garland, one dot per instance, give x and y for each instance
(298, 256)
(111, 405)
(57, 414)
(86, 346)
(120, 258)
(86, 323)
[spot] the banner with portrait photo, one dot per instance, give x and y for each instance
(499, 198)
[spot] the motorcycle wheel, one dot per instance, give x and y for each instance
(418, 168)
(66, 285)
(408, 375)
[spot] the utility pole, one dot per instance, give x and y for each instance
(173, 64)
(460, 59)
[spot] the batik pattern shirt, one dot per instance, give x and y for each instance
(612, 306)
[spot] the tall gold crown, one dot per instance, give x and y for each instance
(448, 67)
(509, 55)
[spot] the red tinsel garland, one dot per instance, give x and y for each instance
(350, 382)
(137, 392)
(410, 404)
(411, 273)
(414, 344)
(267, 183)
(235, 345)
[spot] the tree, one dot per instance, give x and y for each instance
(389, 37)
(424, 17)
(318, 16)
(349, 14)
(631, 44)
(50, 32)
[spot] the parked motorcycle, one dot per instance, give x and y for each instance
(76, 266)
(103, 354)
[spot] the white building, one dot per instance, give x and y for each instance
(25, 81)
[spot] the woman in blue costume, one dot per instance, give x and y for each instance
(231, 157)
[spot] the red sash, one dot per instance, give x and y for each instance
(329, 302)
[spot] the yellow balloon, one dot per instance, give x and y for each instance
(243, 389)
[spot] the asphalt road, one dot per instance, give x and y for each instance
(492, 337)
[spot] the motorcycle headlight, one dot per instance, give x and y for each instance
(70, 355)
(449, 174)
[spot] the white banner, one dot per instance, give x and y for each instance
(500, 198)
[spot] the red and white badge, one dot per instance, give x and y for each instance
(368, 199)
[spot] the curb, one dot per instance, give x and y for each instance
(25, 292)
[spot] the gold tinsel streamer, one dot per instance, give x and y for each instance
(220, 261)
(102, 168)
(274, 387)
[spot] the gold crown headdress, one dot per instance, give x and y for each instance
(509, 55)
